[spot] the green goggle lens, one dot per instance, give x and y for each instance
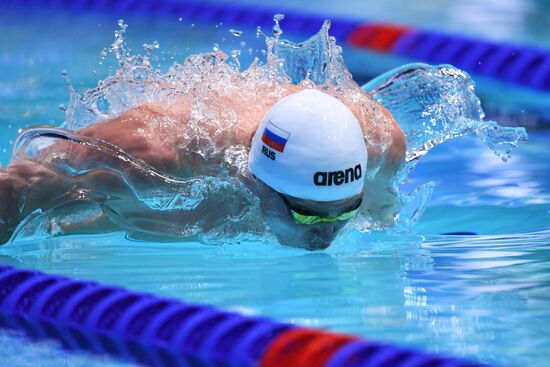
(314, 219)
(310, 218)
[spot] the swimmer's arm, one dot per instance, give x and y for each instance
(381, 197)
(27, 185)
(137, 132)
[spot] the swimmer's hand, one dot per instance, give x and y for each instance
(25, 186)
(382, 203)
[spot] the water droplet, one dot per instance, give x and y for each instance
(236, 32)
(243, 44)
(235, 57)
(215, 47)
(180, 19)
(192, 25)
(277, 31)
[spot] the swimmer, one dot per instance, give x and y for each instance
(307, 164)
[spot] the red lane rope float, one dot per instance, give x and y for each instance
(303, 348)
(377, 36)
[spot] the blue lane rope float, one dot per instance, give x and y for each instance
(157, 331)
(523, 65)
(519, 64)
(361, 353)
(138, 327)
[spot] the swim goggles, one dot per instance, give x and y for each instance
(301, 216)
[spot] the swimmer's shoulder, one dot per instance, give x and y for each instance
(178, 108)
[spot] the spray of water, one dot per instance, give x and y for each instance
(432, 104)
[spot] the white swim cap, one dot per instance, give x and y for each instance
(310, 146)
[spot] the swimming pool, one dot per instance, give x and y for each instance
(482, 295)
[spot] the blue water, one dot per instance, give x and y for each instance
(484, 296)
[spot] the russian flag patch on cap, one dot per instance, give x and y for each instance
(275, 137)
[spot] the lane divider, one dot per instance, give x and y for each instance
(158, 331)
(523, 65)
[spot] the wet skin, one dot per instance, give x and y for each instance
(142, 133)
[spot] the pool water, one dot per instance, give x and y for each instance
(483, 295)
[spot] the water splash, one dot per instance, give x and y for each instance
(432, 104)
(316, 62)
(436, 103)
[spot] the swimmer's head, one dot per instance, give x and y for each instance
(305, 223)
(310, 154)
